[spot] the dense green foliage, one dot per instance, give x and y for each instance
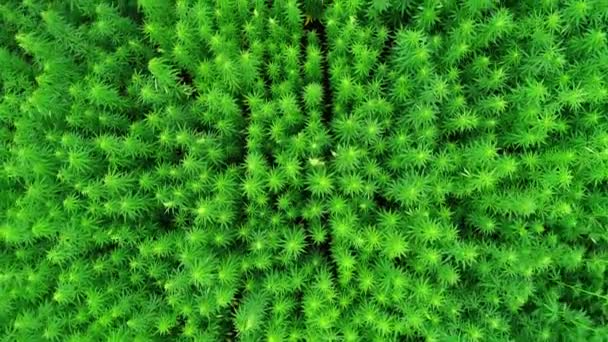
(315, 170)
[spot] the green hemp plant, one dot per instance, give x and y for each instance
(303, 170)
